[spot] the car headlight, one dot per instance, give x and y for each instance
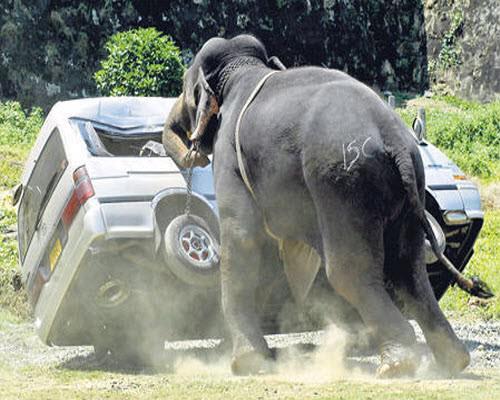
(455, 217)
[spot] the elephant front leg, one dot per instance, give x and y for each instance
(241, 257)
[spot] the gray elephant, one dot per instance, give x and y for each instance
(314, 160)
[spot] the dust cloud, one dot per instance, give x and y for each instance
(192, 365)
(328, 362)
(338, 352)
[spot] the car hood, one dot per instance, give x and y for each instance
(439, 169)
(451, 189)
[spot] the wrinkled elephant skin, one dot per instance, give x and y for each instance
(332, 167)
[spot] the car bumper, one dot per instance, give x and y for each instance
(96, 226)
(87, 227)
(458, 210)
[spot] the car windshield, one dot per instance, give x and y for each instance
(49, 167)
(104, 141)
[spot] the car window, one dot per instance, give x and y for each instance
(49, 167)
(126, 145)
(103, 142)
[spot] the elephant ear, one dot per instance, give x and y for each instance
(206, 106)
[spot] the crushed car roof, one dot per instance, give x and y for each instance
(121, 113)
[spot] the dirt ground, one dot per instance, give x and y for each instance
(200, 370)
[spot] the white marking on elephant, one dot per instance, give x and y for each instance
(363, 147)
(351, 147)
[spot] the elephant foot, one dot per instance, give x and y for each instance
(454, 360)
(251, 363)
(397, 361)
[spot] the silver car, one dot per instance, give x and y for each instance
(109, 259)
(96, 204)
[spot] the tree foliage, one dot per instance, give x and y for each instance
(140, 62)
(50, 50)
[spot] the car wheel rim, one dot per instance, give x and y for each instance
(197, 246)
(112, 293)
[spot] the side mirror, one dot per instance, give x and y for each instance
(419, 125)
(391, 99)
(17, 193)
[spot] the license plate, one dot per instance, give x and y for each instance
(54, 254)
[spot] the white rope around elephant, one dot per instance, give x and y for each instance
(238, 146)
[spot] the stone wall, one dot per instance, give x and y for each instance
(463, 47)
(49, 49)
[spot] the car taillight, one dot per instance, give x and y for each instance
(81, 193)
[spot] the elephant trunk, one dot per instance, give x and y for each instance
(174, 131)
(175, 138)
(175, 147)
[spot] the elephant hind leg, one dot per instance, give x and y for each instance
(416, 292)
(354, 257)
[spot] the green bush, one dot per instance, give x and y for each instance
(17, 126)
(468, 132)
(140, 62)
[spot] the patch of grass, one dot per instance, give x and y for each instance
(468, 132)
(459, 102)
(11, 165)
(12, 301)
(50, 383)
(6, 317)
(18, 130)
(18, 126)
(485, 263)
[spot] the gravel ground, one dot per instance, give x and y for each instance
(20, 347)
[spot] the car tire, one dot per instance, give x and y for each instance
(191, 251)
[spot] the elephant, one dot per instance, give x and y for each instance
(312, 159)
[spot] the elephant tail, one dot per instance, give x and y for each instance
(406, 167)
